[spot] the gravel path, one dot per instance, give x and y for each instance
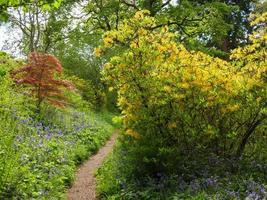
(85, 184)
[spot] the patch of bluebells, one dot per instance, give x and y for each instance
(255, 191)
(210, 182)
(198, 184)
(195, 186)
(49, 131)
(46, 147)
(41, 133)
(230, 194)
(222, 186)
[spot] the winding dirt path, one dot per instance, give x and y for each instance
(85, 184)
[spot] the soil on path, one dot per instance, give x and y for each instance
(85, 184)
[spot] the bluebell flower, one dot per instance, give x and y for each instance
(263, 191)
(48, 136)
(253, 196)
(19, 138)
(194, 186)
(46, 128)
(210, 182)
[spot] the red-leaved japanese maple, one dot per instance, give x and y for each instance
(39, 74)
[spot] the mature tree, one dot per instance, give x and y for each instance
(41, 28)
(239, 28)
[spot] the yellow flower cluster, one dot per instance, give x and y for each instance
(133, 133)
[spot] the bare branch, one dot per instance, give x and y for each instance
(166, 3)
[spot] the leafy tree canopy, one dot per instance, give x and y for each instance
(5, 4)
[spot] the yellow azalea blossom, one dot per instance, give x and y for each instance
(233, 108)
(133, 45)
(172, 125)
(97, 52)
(108, 41)
(230, 108)
(110, 89)
(167, 89)
(184, 85)
(133, 133)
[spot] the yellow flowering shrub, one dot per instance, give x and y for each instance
(189, 99)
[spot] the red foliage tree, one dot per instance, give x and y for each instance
(39, 74)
